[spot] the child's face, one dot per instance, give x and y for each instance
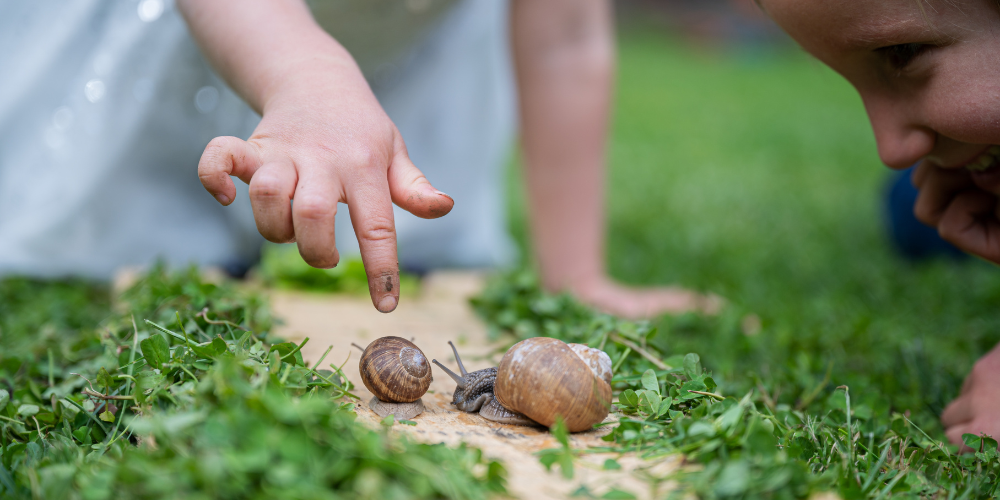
(929, 79)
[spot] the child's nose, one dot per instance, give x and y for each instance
(901, 140)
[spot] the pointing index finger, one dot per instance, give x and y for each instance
(374, 225)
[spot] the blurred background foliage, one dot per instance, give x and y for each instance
(281, 266)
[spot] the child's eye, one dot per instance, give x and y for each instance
(900, 56)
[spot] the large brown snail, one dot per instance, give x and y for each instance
(538, 379)
(398, 374)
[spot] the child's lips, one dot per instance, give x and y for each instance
(988, 160)
(985, 170)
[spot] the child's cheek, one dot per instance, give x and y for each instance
(965, 106)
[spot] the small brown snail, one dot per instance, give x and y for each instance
(398, 374)
(538, 379)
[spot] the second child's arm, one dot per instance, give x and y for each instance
(323, 138)
(565, 61)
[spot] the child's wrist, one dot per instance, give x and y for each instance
(312, 73)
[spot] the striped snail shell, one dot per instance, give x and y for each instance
(543, 377)
(398, 374)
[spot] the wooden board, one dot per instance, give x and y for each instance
(438, 314)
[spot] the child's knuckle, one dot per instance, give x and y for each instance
(215, 158)
(217, 147)
(266, 185)
(367, 159)
(208, 176)
(314, 208)
(378, 228)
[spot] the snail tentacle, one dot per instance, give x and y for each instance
(461, 367)
(458, 380)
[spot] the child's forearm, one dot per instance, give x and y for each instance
(261, 46)
(564, 56)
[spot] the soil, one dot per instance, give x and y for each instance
(439, 313)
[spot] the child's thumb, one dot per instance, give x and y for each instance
(226, 156)
(412, 192)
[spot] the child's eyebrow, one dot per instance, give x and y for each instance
(885, 31)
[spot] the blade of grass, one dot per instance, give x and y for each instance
(128, 382)
(172, 334)
(87, 413)
(936, 443)
(873, 472)
(297, 349)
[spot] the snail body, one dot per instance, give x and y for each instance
(397, 374)
(539, 379)
(478, 390)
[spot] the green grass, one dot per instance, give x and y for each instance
(754, 175)
(178, 390)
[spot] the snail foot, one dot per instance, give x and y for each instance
(497, 413)
(402, 411)
(474, 405)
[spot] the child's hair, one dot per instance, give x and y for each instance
(923, 10)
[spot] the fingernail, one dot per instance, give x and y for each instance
(442, 194)
(387, 304)
(222, 198)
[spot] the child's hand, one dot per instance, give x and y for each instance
(323, 138)
(977, 409)
(323, 141)
(962, 205)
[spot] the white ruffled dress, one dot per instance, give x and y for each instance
(106, 106)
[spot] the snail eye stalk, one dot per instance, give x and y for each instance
(461, 367)
(458, 380)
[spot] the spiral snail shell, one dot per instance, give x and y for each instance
(397, 374)
(539, 379)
